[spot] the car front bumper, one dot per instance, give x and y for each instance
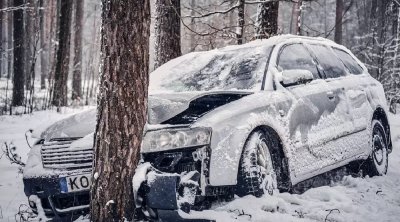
(53, 201)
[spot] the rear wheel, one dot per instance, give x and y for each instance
(256, 172)
(377, 163)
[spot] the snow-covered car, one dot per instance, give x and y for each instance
(246, 119)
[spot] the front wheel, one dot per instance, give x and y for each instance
(377, 163)
(256, 174)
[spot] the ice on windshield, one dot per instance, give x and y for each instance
(233, 69)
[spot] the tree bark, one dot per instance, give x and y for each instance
(240, 23)
(267, 20)
(77, 71)
(122, 107)
(167, 31)
(63, 54)
(339, 21)
(19, 78)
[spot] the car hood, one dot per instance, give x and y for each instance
(163, 108)
(75, 126)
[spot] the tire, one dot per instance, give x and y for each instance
(377, 162)
(256, 174)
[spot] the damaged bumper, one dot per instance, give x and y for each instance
(167, 196)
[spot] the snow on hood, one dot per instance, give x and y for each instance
(78, 125)
(162, 107)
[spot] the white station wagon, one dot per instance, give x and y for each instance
(245, 119)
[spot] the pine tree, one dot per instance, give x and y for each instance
(63, 54)
(122, 107)
(18, 78)
(77, 70)
(167, 31)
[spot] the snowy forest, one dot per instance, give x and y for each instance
(89, 130)
(37, 73)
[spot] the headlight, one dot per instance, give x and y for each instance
(168, 139)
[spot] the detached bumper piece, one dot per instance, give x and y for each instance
(55, 204)
(166, 194)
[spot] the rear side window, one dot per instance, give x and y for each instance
(332, 66)
(350, 63)
(296, 56)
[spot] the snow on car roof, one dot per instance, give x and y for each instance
(235, 67)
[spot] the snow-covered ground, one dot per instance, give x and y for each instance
(350, 199)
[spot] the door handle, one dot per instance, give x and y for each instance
(331, 95)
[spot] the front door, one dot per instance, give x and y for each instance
(310, 120)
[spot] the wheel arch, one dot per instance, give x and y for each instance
(380, 114)
(279, 158)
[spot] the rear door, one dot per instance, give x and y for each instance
(357, 90)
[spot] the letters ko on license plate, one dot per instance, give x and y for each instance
(75, 183)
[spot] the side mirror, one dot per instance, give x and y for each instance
(296, 76)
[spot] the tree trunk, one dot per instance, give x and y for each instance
(77, 71)
(43, 45)
(122, 107)
(240, 23)
(296, 17)
(339, 21)
(62, 57)
(19, 78)
(267, 20)
(167, 31)
(29, 33)
(9, 40)
(1, 38)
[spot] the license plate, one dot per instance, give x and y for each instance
(75, 183)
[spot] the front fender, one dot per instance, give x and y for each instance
(233, 123)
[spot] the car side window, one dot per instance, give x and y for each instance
(296, 56)
(348, 61)
(331, 65)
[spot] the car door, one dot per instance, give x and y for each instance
(306, 118)
(357, 90)
(344, 130)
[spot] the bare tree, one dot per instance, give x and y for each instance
(167, 31)
(339, 22)
(295, 25)
(63, 54)
(44, 46)
(18, 78)
(240, 22)
(267, 20)
(77, 70)
(122, 107)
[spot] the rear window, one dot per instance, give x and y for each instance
(350, 63)
(331, 65)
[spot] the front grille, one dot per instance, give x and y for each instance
(57, 154)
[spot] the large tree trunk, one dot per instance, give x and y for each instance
(267, 20)
(167, 31)
(240, 23)
(19, 78)
(77, 71)
(339, 21)
(122, 107)
(62, 57)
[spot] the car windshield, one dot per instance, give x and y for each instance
(233, 69)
